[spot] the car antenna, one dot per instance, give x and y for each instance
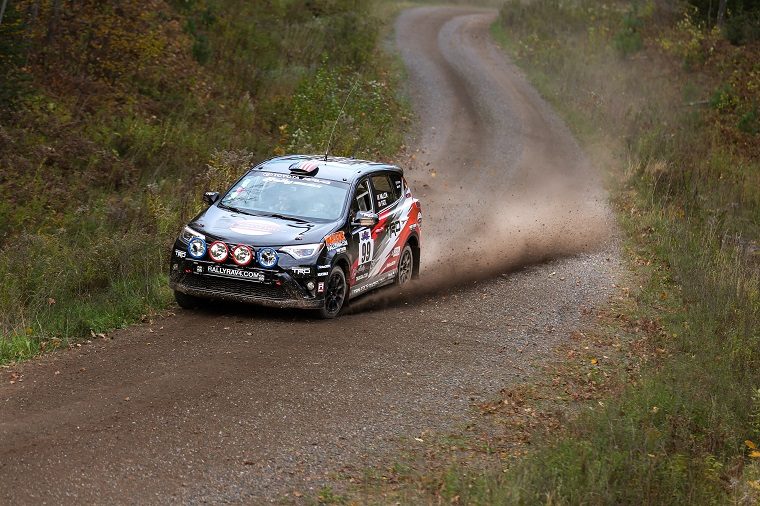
(329, 141)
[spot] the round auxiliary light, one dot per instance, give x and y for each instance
(196, 248)
(242, 255)
(310, 285)
(218, 251)
(267, 257)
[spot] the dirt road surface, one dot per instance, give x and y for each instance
(246, 405)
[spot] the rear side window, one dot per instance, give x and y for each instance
(397, 182)
(386, 191)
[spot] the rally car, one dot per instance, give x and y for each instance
(300, 231)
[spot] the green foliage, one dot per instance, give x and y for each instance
(749, 122)
(743, 27)
(723, 98)
(14, 83)
(628, 40)
(327, 495)
(133, 109)
(316, 110)
(742, 18)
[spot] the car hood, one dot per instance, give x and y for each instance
(238, 228)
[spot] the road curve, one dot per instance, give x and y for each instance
(241, 405)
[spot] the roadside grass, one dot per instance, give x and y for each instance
(107, 144)
(683, 428)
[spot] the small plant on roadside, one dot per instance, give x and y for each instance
(628, 39)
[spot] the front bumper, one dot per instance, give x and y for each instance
(273, 289)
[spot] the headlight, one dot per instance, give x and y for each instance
(218, 251)
(267, 257)
(188, 233)
(302, 250)
(196, 248)
(242, 255)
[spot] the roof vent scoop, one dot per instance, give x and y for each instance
(307, 167)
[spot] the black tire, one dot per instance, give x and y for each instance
(405, 267)
(336, 294)
(186, 301)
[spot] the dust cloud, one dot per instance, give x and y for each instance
(502, 182)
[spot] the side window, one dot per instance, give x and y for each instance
(385, 191)
(362, 197)
(397, 183)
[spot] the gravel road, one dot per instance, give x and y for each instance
(239, 404)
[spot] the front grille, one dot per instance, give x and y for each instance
(234, 287)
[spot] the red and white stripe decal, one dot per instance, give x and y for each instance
(309, 166)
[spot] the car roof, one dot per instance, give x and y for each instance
(333, 168)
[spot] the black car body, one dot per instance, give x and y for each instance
(301, 231)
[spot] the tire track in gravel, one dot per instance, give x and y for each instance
(243, 404)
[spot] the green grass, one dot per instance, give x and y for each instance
(107, 145)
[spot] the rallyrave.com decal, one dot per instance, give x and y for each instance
(234, 273)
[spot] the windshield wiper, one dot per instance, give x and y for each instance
(285, 217)
(235, 209)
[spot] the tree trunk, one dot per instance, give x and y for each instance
(2, 10)
(721, 12)
(53, 22)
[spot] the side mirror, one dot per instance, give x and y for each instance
(365, 219)
(210, 197)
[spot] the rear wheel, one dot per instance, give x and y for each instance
(186, 301)
(405, 267)
(336, 292)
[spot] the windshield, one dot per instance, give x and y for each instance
(285, 194)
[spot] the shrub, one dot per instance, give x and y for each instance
(628, 40)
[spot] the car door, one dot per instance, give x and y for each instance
(362, 240)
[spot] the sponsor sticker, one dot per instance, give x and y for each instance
(373, 284)
(322, 274)
(231, 272)
(320, 287)
(396, 251)
(254, 227)
(180, 253)
(275, 175)
(302, 271)
(336, 240)
(366, 247)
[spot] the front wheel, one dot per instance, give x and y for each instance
(405, 267)
(336, 293)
